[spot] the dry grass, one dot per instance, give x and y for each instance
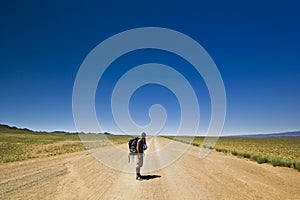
(277, 151)
(17, 145)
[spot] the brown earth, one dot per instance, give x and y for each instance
(81, 176)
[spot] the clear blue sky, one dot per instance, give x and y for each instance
(255, 45)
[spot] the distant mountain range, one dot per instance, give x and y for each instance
(7, 128)
(294, 134)
(4, 127)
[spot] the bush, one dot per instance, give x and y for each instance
(235, 153)
(245, 155)
(207, 147)
(296, 165)
(222, 150)
(259, 159)
(276, 162)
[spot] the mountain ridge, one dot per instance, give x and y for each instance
(290, 134)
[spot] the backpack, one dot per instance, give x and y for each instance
(132, 144)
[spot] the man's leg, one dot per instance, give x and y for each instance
(139, 164)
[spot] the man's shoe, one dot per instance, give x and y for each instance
(139, 177)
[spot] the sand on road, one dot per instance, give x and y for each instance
(81, 176)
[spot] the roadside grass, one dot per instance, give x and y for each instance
(283, 152)
(18, 144)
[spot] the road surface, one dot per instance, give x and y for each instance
(81, 176)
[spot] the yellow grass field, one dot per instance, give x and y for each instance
(277, 151)
(22, 144)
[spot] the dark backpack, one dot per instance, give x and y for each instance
(132, 144)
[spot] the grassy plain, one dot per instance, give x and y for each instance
(22, 144)
(277, 151)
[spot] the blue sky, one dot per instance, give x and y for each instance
(255, 45)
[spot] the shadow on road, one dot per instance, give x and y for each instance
(148, 177)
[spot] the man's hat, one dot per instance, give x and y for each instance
(143, 134)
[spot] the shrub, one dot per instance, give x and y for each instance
(296, 165)
(259, 159)
(276, 162)
(222, 150)
(245, 155)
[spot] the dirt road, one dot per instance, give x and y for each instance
(81, 176)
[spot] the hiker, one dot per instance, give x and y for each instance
(140, 147)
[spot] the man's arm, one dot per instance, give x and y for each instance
(138, 146)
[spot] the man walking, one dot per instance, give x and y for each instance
(140, 148)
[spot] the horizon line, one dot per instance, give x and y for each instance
(166, 134)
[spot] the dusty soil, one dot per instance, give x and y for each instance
(81, 176)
